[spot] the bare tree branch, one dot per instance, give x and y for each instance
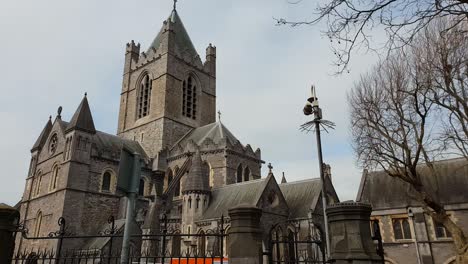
(351, 23)
(411, 109)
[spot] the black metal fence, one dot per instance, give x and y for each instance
(291, 246)
(169, 245)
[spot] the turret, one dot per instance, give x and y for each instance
(210, 63)
(195, 193)
(79, 133)
(132, 52)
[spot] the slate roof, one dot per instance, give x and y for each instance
(197, 179)
(183, 43)
(229, 196)
(301, 196)
(114, 143)
(43, 136)
(384, 192)
(82, 119)
(216, 132)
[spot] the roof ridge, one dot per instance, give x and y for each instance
(239, 184)
(299, 181)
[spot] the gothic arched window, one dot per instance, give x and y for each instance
(189, 98)
(239, 173)
(38, 183)
(54, 179)
(106, 181)
(144, 96)
(246, 174)
(37, 226)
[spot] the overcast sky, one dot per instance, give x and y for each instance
(53, 51)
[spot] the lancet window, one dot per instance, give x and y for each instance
(189, 98)
(144, 96)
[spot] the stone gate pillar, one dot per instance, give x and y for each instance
(8, 218)
(245, 235)
(350, 236)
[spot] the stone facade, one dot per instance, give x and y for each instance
(167, 115)
(408, 233)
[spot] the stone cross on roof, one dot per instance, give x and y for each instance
(175, 4)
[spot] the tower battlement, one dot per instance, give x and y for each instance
(132, 47)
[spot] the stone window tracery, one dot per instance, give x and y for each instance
(441, 231)
(53, 144)
(144, 96)
(401, 228)
(189, 98)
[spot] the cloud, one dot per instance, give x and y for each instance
(54, 51)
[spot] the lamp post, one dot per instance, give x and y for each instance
(312, 108)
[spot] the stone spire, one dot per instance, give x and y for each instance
(181, 41)
(43, 136)
(196, 180)
(82, 119)
(283, 179)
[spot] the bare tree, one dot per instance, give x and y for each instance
(396, 111)
(443, 54)
(350, 24)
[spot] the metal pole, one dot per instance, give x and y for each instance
(131, 196)
(322, 178)
(126, 238)
(418, 255)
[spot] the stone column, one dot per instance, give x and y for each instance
(8, 218)
(245, 235)
(350, 236)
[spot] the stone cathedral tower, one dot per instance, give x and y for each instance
(166, 90)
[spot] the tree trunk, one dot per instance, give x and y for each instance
(438, 213)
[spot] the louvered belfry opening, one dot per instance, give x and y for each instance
(144, 96)
(189, 98)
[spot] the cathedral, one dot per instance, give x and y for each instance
(194, 168)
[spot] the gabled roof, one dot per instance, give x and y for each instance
(229, 196)
(215, 132)
(449, 185)
(82, 119)
(183, 43)
(301, 196)
(43, 136)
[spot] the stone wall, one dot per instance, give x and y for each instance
(431, 249)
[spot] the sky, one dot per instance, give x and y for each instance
(54, 51)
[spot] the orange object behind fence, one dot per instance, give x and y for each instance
(200, 261)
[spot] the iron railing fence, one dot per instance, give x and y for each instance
(169, 245)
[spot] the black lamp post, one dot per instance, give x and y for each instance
(312, 108)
